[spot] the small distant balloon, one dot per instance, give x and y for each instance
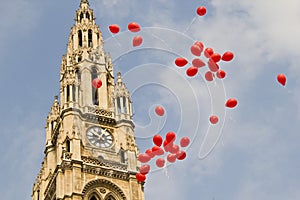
(199, 44)
(231, 103)
(192, 71)
(150, 153)
(174, 149)
(209, 76)
(140, 177)
(221, 74)
(227, 56)
(167, 145)
(215, 57)
(212, 65)
(134, 27)
(171, 158)
(196, 50)
(137, 41)
(180, 62)
(159, 110)
(184, 142)
(170, 137)
(201, 10)
(197, 62)
(160, 162)
(208, 52)
(114, 28)
(156, 150)
(143, 158)
(181, 155)
(281, 79)
(145, 169)
(213, 119)
(97, 83)
(157, 140)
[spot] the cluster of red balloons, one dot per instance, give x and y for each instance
(213, 58)
(132, 27)
(160, 148)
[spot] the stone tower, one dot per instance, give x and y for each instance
(90, 151)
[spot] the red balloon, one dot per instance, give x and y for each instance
(227, 56)
(231, 103)
(157, 140)
(150, 153)
(114, 28)
(143, 157)
(159, 110)
(145, 169)
(221, 74)
(209, 76)
(97, 83)
(281, 79)
(167, 145)
(214, 67)
(192, 71)
(196, 50)
(170, 137)
(181, 155)
(156, 150)
(215, 57)
(201, 10)
(140, 177)
(208, 52)
(199, 44)
(184, 142)
(134, 27)
(137, 41)
(213, 119)
(171, 158)
(160, 162)
(197, 62)
(180, 62)
(174, 149)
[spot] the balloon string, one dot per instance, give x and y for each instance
(118, 42)
(166, 172)
(186, 30)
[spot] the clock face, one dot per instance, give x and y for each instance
(99, 137)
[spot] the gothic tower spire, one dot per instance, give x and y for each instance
(90, 150)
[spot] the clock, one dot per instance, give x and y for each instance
(99, 137)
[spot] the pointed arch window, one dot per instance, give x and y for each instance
(110, 198)
(122, 154)
(94, 90)
(68, 146)
(80, 38)
(38, 195)
(81, 16)
(87, 15)
(90, 38)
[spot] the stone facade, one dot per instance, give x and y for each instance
(90, 151)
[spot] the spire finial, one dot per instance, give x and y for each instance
(84, 1)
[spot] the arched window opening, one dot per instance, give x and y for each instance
(81, 16)
(80, 38)
(122, 154)
(94, 90)
(124, 105)
(87, 15)
(93, 198)
(68, 93)
(52, 126)
(119, 105)
(90, 38)
(79, 58)
(38, 195)
(110, 198)
(68, 146)
(73, 92)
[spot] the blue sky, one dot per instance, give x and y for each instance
(257, 155)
